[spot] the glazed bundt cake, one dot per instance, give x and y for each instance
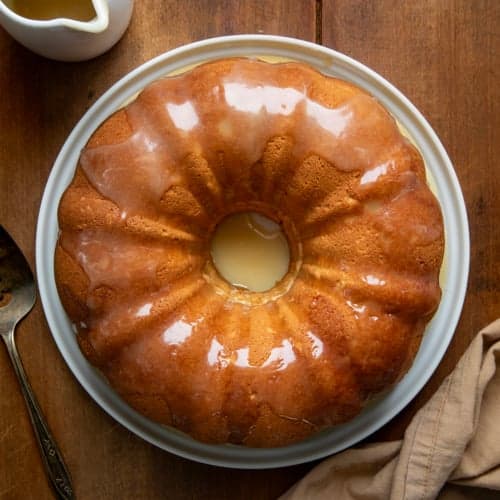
(224, 364)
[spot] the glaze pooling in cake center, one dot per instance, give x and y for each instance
(250, 251)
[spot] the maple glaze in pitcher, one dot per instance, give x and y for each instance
(66, 32)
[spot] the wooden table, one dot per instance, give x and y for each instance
(443, 54)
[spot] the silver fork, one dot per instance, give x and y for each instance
(17, 297)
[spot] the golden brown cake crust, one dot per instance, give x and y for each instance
(185, 348)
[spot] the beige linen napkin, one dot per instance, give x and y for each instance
(451, 449)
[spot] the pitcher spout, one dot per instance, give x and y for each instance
(98, 24)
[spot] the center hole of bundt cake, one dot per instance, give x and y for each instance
(250, 251)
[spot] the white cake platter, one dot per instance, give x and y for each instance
(454, 276)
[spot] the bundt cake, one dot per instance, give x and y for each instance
(180, 344)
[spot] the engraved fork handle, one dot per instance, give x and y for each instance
(52, 457)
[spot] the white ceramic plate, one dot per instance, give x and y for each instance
(439, 331)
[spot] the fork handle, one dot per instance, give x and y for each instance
(52, 457)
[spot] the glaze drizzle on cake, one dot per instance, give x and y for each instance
(316, 155)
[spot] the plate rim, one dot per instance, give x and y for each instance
(457, 250)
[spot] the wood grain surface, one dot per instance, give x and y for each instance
(444, 55)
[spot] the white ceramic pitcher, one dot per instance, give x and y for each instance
(68, 39)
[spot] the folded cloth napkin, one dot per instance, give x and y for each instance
(451, 449)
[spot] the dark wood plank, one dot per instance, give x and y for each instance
(41, 102)
(445, 57)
